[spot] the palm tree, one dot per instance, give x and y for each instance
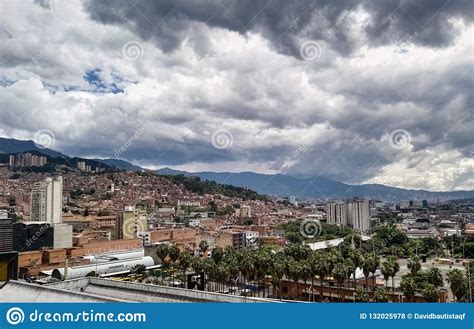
(356, 257)
(305, 271)
(209, 268)
(321, 269)
(294, 271)
(414, 264)
(184, 261)
(247, 267)
(430, 293)
(435, 277)
(204, 246)
(457, 283)
(361, 295)
(386, 270)
(374, 263)
(162, 252)
(408, 286)
(350, 268)
(278, 271)
(381, 295)
(339, 273)
(366, 270)
(173, 253)
(395, 269)
(198, 266)
(217, 254)
(233, 265)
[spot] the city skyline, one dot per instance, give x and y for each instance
(359, 92)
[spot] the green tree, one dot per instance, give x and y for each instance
(457, 283)
(361, 295)
(430, 293)
(435, 277)
(414, 264)
(278, 271)
(339, 273)
(217, 254)
(386, 270)
(381, 295)
(204, 246)
(395, 270)
(356, 257)
(173, 254)
(408, 287)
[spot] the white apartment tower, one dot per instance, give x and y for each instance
(336, 213)
(354, 213)
(47, 201)
(358, 215)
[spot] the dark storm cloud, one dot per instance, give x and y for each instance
(284, 23)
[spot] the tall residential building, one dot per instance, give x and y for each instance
(6, 232)
(336, 213)
(47, 201)
(354, 213)
(131, 222)
(27, 160)
(81, 165)
(358, 216)
(8, 257)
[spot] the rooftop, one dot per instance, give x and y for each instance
(91, 289)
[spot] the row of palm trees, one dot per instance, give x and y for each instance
(263, 268)
(294, 262)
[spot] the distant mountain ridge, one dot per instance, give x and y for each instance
(317, 187)
(277, 185)
(11, 146)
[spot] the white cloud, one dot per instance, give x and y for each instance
(334, 113)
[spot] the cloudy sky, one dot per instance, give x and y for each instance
(358, 91)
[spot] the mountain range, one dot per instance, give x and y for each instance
(270, 184)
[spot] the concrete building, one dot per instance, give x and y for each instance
(8, 257)
(358, 216)
(62, 236)
(336, 213)
(353, 213)
(81, 165)
(47, 201)
(27, 160)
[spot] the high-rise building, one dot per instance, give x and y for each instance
(358, 216)
(354, 213)
(336, 213)
(27, 160)
(8, 257)
(6, 232)
(47, 201)
(81, 165)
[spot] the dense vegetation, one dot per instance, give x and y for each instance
(196, 185)
(258, 269)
